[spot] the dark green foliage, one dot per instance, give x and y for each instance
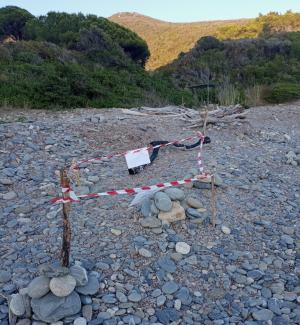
(13, 21)
(66, 30)
(283, 92)
(244, 63)
(43, 75)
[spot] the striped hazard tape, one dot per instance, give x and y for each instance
(123, 154)
(76, 198)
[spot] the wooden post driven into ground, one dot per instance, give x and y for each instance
(66, 244)
(213, 202)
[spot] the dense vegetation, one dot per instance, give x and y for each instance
(71, 60)
(167, 40)
(244, 70)
(63, 60)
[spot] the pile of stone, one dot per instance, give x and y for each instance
(172, 205)
(59, 295)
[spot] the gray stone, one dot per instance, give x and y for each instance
(162, 201)
(87, 312)
(17, 305)
(255, 274)
(145, 252)
(146, 208)
(277, 287)
(62, 286)
(160, 300)
(134, 296)
(121, 296)
(194, 203)
(263, 315)
(79, 274)
(175, 194)
(5, 276)
(182, 248)
(193, 213)
(170, 287)
(80, 321)
(109, 299)
(184, 296)
(151, 222)
(38, 287)
(167, 315)
(51, 308)
(9, 196)
(167, 264)
(91, 288)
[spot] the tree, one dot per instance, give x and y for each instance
(12, 22)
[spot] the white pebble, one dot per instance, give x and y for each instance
(225, 230)
(182, 248)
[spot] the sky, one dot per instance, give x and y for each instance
(169, 10)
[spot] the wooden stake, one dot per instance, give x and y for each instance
(66, 244)
(213, 202)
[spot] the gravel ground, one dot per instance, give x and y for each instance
(250, 276)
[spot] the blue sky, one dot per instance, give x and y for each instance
(170, 10)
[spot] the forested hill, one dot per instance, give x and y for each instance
(73, 60)
(167, 40)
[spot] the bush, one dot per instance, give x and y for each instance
(284, 92)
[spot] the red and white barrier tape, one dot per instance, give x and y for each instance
(75, 198)
(199, 136)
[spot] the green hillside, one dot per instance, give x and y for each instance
(72, 60)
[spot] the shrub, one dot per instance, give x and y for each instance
(284, 92)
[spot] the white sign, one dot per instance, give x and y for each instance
(140, 197)
(135, 159)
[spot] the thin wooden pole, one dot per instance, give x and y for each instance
(66, 244)
(213, 202)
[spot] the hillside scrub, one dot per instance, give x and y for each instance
(66, 61)
(244, 64)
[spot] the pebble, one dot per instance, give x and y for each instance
(9, 196)
(116, 232)
(151, 222)
(5, 276)
(170, 287)
(87, 312)
(17, 305)
(160, 300)
(175, 194)
(162, 201)
(62, 286)
(134, 296)
(263, 315)
(225, 230)
(80, 321)
(91, 288)
(194, 203)
(38, 287)
(182, 248)
(145, 252)
(79, 274)
(177, 304)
